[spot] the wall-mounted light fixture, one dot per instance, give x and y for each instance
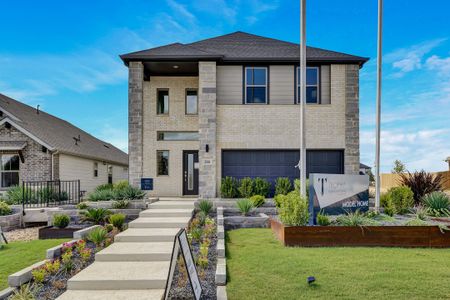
(207, 148)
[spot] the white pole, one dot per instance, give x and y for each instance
(378, 116)
(302, 97)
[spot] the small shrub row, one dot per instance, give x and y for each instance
(248, 187)
(398, 200)
(118, 191)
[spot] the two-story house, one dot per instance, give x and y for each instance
(228, 106)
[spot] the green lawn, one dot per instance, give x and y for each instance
(18, 255)
(259, 267)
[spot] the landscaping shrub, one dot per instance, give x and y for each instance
(121, 184)
(97, 216)
(98, 236)
(229, 187)
(293, 210)
(402, 199)
(82, 205)
(101, 195)
(61, 220)
(322, 219)
(257, 200)
(297, 186)
(128, 192)
(422, 183)
(25, 292)
(103, 187)
(120, 204)
(52, 194)
(205, 206)
(246, 187)
(117, 220)
(14, 195)
(282, 186)
(437, 203)
(261, 187)
(278, 199)
(5, 209)
(386, 203)
(244, 206)
(355, 219)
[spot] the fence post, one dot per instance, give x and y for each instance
(59, 191)
(23, 198)
(78, 191)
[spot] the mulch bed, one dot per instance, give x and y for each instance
(181, 287)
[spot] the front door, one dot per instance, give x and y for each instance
(190, 172)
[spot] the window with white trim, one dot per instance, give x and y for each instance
(256, 85)
(10, 167)
(312, 85)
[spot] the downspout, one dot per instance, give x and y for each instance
(53, 164)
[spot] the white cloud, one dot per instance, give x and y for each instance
(182, 11)
(408, 59)
(115, 135)
(442, 65)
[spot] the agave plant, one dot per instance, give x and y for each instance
(422, 183)
(437, 203)
(95, 215)
(244, 206)
(205, 206)
(356, 218)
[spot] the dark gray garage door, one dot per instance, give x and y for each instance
(271, 164)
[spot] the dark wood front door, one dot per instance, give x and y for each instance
(190, 172)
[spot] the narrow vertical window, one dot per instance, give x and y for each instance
(162, 102)
(110, 174)
(256, 85)
(312, 84)
(191, 102)
(95, 169)
(162, 161)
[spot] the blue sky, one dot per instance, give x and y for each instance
(63, 55)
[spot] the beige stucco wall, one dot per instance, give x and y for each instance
(79, 168)
(176, 120)
(278, 126)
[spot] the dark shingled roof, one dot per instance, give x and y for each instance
(241, 46)
(59, 134)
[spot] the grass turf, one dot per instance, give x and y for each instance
(259, 267)
(18, 255)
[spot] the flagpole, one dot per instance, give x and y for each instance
(378, 112)
(302, 97)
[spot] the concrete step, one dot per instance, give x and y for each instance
(167, 212)
(155, 294)
(121, 276)
(168, 222)
(147, 235)
(172, 205)
(193, 199)
(155, 251)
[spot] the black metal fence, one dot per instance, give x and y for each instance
(50, 193)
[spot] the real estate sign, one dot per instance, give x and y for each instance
(338, 193)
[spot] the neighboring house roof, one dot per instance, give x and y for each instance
(363, 166)
(447, 159)
(57, 134)
(241, 46)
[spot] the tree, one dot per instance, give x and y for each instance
(371, 176)
(399, 167)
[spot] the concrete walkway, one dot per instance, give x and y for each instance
(136, 265)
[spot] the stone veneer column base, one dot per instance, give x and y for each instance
(351, 157)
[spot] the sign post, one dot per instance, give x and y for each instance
(181, 243)
(2, 238)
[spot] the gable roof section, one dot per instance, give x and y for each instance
(57, 134)
(241, 46)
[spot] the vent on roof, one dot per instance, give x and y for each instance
(106, 146)
(77, 139)
(37, 109)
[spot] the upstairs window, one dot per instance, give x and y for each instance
(110, 174)
(312, 85)
(255, 85)
(162, 102)
(191, 102)
(95, 169)
(9, 170)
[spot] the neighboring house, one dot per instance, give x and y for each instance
(363, 169)
(228, 106)
(447, 160)
(36, 146)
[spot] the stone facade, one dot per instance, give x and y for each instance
(37, 164)
(135, 121)
(351, 157)
(207, 129)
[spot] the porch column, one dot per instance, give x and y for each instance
(351, 158)
(207, 129)
(135, 121)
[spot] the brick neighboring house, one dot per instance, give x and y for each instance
(228, 106)
(36, 146)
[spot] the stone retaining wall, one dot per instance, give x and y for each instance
(11, 222)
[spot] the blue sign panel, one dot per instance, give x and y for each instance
(147, 184)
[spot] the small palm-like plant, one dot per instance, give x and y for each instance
(98, 236)
(244, 206)
(117, 220)
(422, 183)
(95, 215)
(25, 292)
(356, 218)
(205, 206)
(437, 203)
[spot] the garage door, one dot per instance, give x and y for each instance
(271, 164)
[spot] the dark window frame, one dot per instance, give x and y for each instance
(244, 85)
(157, 101)
(158, 173)
(185, 101)
(95, 169)
(159, 138)
(297, 83)
(9, 171)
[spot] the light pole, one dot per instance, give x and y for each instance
(378, 116)
(302, 97)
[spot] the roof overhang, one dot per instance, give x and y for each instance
(12, 145)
